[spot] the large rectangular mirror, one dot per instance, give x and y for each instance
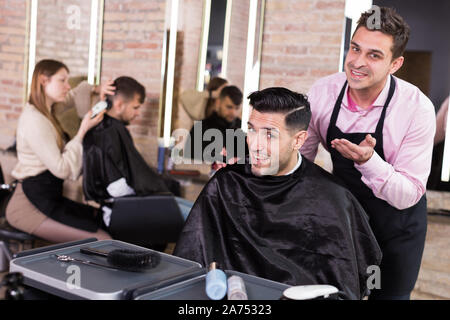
(213, 38)
(69, 31)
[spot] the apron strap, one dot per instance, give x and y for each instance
(337, 105)
(379, 129)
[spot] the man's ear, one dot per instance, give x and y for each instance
(118, 104)
(396, 64)
(299, 139)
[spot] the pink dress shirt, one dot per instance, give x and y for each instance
(408, 134)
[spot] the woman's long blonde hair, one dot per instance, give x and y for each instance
(37, 98)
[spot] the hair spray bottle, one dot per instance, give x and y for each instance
(216, 283)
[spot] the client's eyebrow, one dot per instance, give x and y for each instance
(266, 128)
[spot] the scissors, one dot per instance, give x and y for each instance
(66, 258)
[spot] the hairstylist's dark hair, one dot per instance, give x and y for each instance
(127, 87)
(295, 106)
(233, 92)
(213, 84)
(391, 23)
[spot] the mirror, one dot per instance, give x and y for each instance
(231, 45)
(212, 59)
(230, 30)
(69, 31)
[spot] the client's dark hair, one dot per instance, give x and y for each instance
(295, 106)
(233, 93)
(127, 87)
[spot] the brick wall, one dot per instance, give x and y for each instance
(12, 57)
(63, 34)
(301, 42)
(132, 45)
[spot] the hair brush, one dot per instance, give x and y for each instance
(130, 260)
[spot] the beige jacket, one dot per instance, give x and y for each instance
(37, 148)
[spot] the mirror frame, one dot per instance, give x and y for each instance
(169, 48)
(445, 173)
(95, 42)
(252, 68)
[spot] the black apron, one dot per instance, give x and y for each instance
(400, 233)
(45, 192)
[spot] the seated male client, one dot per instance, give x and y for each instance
(222, 127)
(280, 216)
(112, 165)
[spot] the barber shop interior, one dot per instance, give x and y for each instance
(225, 150)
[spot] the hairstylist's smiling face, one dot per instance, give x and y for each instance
(369, 59)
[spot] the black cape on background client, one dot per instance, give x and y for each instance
(300, 229)
(109, 154)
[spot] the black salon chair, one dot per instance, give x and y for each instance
(151, 221)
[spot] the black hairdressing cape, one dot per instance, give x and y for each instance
(109, 154)
(299, 229)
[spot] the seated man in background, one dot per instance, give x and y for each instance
(225, 117)
(281, 217)
(112, 165)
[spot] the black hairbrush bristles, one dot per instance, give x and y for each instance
(124, 258)
(129, 260)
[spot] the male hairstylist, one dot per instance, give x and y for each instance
(379, 130)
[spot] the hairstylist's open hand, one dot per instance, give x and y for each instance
(358, 153)
(219, 165)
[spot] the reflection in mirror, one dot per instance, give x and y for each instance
(214, 50)
(214, 41)
(193, 28)
(68, 31)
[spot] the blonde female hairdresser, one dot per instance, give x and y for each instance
(45, 159)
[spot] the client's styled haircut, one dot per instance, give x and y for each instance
(127, 87)
(295, 106)
(233, 93)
